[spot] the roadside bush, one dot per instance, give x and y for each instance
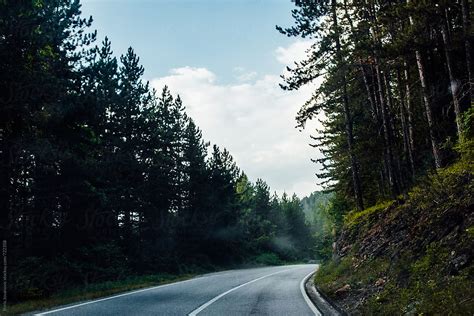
(268, 258)
(35, 277)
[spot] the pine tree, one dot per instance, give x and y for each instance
(378, 60)
(192, 229)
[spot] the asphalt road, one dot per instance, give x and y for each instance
(259, 291)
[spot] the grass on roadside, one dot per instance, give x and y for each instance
(355, 217)
(93, 291)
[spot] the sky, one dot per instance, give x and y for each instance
(224, 58)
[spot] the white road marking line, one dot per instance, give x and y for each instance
(196, 311)
(115, 296)
(306, 297)
(205, 305)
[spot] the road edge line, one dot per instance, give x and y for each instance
(323, 303)
(110, 297)
(308, 301)
(216, 298)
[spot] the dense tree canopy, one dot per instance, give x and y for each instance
(396, 90)
(102, 177)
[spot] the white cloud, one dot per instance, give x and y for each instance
(197, 73)
(243, 75)
(294, 52)
(254, 120)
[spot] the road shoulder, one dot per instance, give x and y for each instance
(321, 301)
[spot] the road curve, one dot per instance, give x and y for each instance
(258, 291)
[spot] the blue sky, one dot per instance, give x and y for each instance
(224, 57)
(216, 34)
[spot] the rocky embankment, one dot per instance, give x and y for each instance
(410, 256)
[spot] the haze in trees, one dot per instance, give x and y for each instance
(103, 177)
(396, 90)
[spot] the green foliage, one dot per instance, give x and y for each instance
(323, 242)
(470, 231)
(94, 290)
(334, 275)
(448, 186)
(384, 138)
(329, 276)
(103, 177)
(429, 290)
(369, 59)
(355, 217)
(322, 223)
(314, 204)
(270, 259)
(37, 277)
(468, 123)
(418, 276)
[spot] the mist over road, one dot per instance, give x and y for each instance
(258, 291)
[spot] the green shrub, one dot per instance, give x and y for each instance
(35, 277)
(355, 217)
(268, 258)
(430, 291)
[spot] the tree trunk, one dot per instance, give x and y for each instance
(393, 180)
(452, 79)
(427, 102)
(369, 93)
(362, 70)
(408, 100)
(405, 127)
(386, 132)
(428, 112)
(466, 22)
(391, 131)
(390, 110)
(347, 117)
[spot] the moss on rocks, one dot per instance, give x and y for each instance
(411, 256)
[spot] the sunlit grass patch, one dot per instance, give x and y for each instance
(355, 217)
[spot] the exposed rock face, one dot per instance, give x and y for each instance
(379, 282)
(343, 290)
(434, 225)
(401, 226)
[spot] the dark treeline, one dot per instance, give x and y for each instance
(103, 177)
(396, 91)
